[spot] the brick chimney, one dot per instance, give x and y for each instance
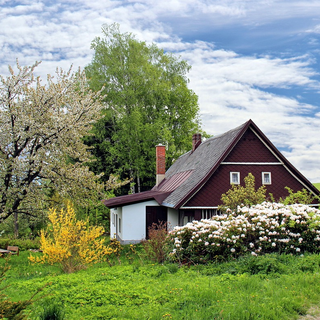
(160, 162)
(196, 141)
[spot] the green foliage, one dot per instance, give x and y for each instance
(52, 312)
(155, 246)
(301, 196)
(13, 309)
(23, 244)
(28, 226)
(150, 103)
(275, 288)
(267, 264)
(247, 195)
(317, 185)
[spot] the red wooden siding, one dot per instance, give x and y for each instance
(250, 149)
(219, 183)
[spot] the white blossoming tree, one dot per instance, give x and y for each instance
(41, 126)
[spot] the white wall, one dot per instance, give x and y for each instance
(132, 227)
(173, 218)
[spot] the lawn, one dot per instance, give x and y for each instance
(317, 185)
(268, 287)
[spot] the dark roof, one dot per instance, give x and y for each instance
(202, 163)
(192, 170)
(159, 196)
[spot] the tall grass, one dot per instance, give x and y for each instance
(266, 287)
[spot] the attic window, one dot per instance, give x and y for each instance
(266, 177)
(234, 177)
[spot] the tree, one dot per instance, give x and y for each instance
(149, 103)
(41, 127)
(301, 196)
(247, 195)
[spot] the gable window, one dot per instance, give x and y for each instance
(234, 177)
(266, 177)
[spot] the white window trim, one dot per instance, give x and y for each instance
(231, 174)
(263, 181)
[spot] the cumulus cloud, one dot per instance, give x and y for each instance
(232, 87)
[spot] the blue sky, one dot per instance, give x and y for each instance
(251, 59)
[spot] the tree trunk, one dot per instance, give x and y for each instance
(16, 226)
(138, 183)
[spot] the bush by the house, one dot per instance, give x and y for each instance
(263, 228)
(248, 195)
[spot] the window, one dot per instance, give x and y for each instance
(234, 177)
(209, 213)
(119, 225)
(266, 177)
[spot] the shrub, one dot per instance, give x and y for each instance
(260, 229)
(52, 312)
(23, 244)
(155, 246)
(247, 195)
(70, 242)
(301, 196)
(266, 264)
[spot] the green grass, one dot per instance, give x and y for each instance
(317, 185)
(269, 287)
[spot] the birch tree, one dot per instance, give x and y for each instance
(41, 126)
(150, 103)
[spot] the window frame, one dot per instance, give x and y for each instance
(263, 178)
(231, 176)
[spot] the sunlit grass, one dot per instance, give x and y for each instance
(317, 185)
(267, 287)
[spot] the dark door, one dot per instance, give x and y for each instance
(154, 214)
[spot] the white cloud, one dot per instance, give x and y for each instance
(232, 88)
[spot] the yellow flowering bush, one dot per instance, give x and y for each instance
(71, 242)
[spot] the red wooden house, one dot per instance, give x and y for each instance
(191, 188)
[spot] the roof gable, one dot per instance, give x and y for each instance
(190, 172)
(203, 162)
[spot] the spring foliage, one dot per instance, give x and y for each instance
(41, 130)
(71, 242)
(150, 103)
(247, 195)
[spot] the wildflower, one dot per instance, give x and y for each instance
(233, 250)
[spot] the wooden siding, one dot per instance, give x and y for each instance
(250, 149)
(219, 183)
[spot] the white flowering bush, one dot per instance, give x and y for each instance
(259, 229)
